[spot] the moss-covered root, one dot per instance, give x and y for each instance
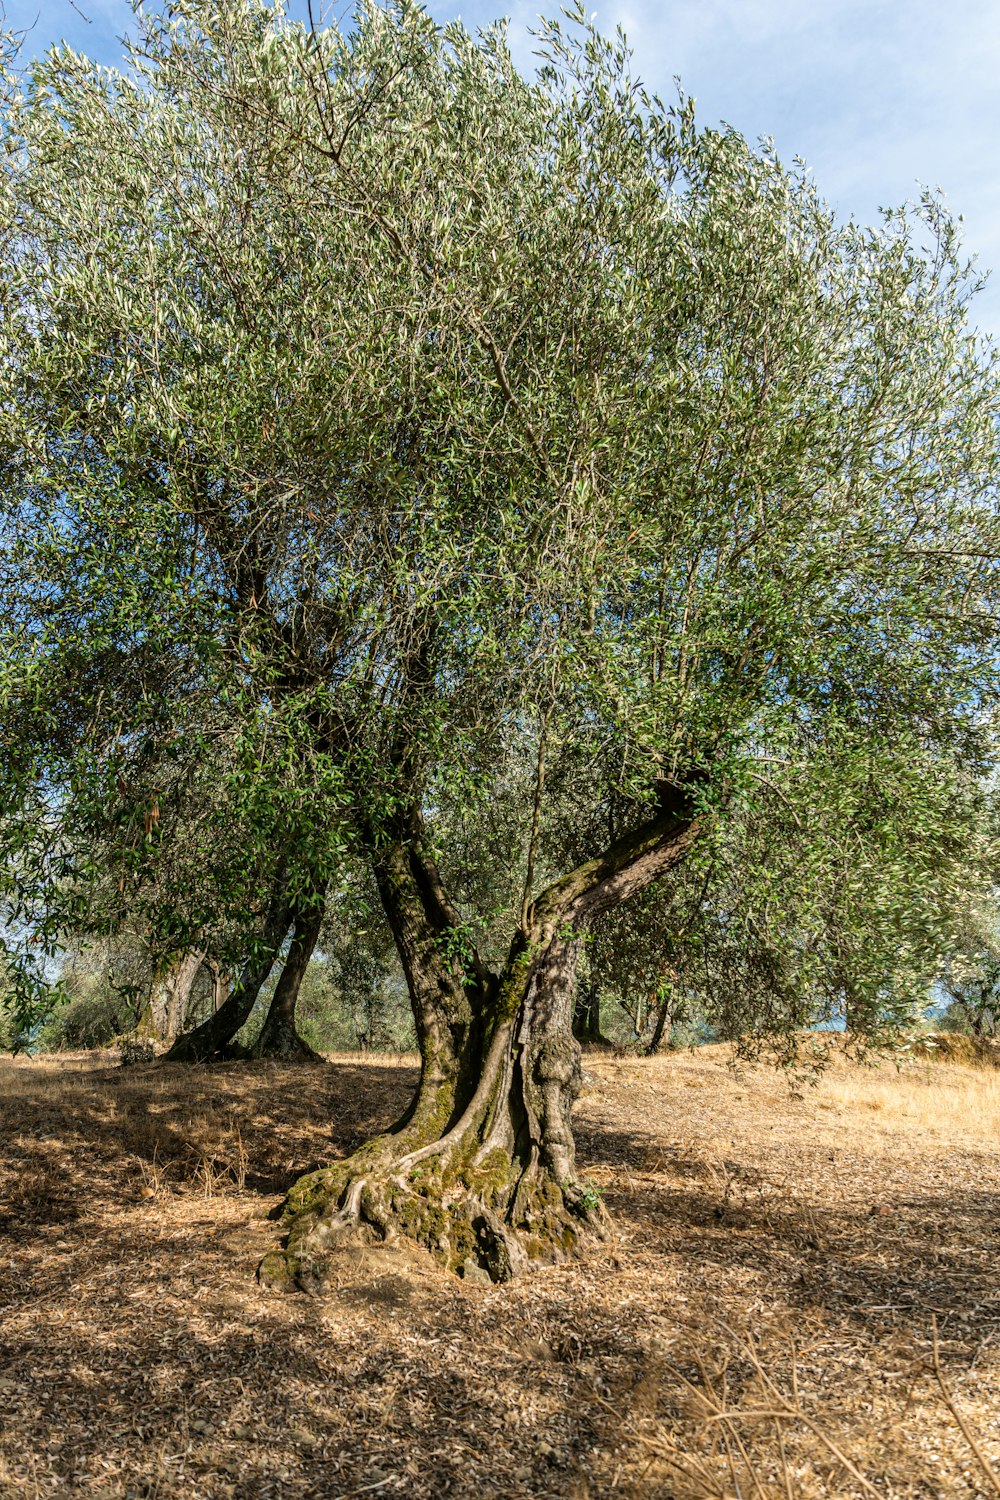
(488, 1221)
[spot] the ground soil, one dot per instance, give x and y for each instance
(761, 1324)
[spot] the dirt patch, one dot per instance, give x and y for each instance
(762, 1325)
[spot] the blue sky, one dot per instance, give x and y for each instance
(878, 96)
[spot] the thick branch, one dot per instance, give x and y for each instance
(626, 867)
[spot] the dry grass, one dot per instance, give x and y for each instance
(801, 1300)
(954, 1104)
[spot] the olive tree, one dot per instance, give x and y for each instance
(454, 428)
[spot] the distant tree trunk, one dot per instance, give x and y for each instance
(853, 1018)
(664, 1011)
(668, 1010)
(481, 1168)
(587, 1015)
(172, 996)
(279, 1037)
(213, 1037)
(221, 985)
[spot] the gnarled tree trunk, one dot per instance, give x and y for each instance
(482, 1168)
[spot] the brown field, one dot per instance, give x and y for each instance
(762, 1324)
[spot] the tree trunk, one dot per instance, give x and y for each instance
(669, 1012)
(587, 1016)
(169, 1003)
(279, 1037)
(481, 1169)
(661, 1021)
(853, 1012)
(221, 986)
(213, 1037)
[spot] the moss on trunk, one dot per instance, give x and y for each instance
(482, 1169)
(485, 1188)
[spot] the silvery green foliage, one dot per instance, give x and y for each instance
(379, 425)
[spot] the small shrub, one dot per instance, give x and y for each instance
(132, 1051)
(91, 1020)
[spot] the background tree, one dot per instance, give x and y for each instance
(970, 974)
(975, 999)
(639, 956)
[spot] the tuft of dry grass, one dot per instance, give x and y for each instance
(748, 1428)
(800, 1303)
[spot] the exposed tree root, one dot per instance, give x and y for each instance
(480, 1217)
(483, 1172)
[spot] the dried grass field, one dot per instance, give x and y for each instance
(802, 1297)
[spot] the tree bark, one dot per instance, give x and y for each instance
(279, 1037)
(481, 1169)
(213, 1037)
(169, 1004)
(221, 986)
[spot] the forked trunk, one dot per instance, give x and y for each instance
(214, 1037)
(481, 1169)
(279, 1037)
